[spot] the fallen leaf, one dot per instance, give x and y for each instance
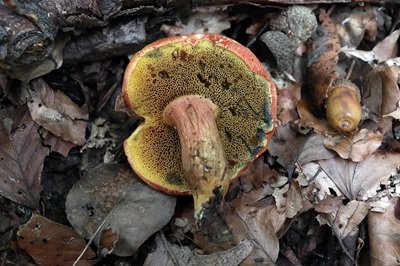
(109, 196)
(51, 243)
(309, 122)
(107, 241)
(56, 144)
(356, 147)
(184, 256)
(57, 113)
(390, 95)
(21, 157)
(286, 144)
(258, 222)
(314, 150)
(387, 48)
(352, 25)
(356, 180)
(349, 216)
(383, 230)
(329, 205)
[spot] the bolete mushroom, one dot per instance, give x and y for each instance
(208, 107)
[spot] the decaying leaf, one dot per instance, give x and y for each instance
(309, 122)
(354, 180)
(108, 197)
(50, 243)
(390, 95)
(21, 157)
(353, 25)
(175, 255)
(387, 48)
(349, 216)
(57, 113)
(56, 144)
(384, 239)
(356, 147)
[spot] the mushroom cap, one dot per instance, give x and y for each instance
(210, 65)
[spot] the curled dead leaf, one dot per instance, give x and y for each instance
(356, 147)
(383, 229)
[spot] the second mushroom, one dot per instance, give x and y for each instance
(208, 107)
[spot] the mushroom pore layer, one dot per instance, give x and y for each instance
(178, 69)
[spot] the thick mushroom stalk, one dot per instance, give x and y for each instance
(203, 157)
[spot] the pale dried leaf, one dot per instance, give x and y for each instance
(57, 113)
(356, 147)
(349, 216)
(314, 150)
(110, 196)
(351, 25)
(390, 95)
(387, 48)
(183, 255)
(356, 180)
(329, 205)
(286, 145)
(21, 158)
(50, 243)
(384, 238)
(366, 56)
(259, 223)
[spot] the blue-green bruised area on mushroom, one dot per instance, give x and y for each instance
(160, 76)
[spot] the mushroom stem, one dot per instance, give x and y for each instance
(203, 157)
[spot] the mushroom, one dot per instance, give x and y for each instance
(208, 107)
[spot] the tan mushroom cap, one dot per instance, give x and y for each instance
(209, 65)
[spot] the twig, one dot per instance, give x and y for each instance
(350, 69)
(337, 234)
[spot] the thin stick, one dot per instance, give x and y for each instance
(171, 254)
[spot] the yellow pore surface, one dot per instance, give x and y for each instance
(179, 69)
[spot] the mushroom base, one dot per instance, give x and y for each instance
(203, 157)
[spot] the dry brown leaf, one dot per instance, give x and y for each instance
(174, 255)
(329, 205)
(55, 143)
(286, 145)
(353, 24)
(21, 157)
(57, 113)
(314, 150)
(390, 95)
(107, 241)
(110, 196)
(310, 122)
(349, 216)
(372, 96)
(384, 240)
(356, 147)
(288, 96)
(289, 200)
(357, 180)
(387, 48)
(50, 243)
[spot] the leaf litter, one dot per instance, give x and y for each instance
(307, 200)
